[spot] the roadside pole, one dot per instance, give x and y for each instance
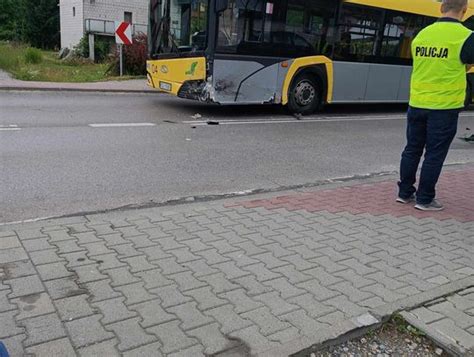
(123, 36)
(121, 59)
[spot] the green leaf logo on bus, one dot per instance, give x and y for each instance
(192, 69)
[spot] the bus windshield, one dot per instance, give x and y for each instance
(177, 26)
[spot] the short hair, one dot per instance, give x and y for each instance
(454, 5)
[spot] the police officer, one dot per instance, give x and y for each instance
(438, 90)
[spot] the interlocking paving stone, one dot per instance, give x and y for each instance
(252, 337)
(195, 351)
(228, 319)
(25, 286)
(240, 300)
(121, 276)
(302, 321)
(186, 281)
(16, 269)
(33, 245)
(152, 313)
(170, 296)
(265, 320)
(9, 327)
(312, 307)
(130, 334)
(33, 305)
(9, 242)
(42, 329)
(62, 288)
(113, 310)
(212, 339)
(219, 283)
(5, 304)
(153, 279)
(106, 348)
(151, 349)
(53, 271)
(135, 293)
(73, 307)
(87, 331)
(45, 257)
(61, 347)
(12, 255)
(206, 298)
(189, 315)
(172, 337)
(14, 345)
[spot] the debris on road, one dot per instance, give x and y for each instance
(469, 139)
(196, 116)
(212, 122)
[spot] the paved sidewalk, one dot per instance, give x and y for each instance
(134, 85)
(448, 321)
(268, 276)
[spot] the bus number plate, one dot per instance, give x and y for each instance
(165, 86)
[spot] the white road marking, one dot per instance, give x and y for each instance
(324, 119)
(289, 121)
(10, 129)
(120, 125)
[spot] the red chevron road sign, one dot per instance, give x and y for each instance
(123, 33)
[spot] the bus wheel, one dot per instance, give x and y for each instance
(305, 95)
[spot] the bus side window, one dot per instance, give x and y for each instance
(400, 29)
(357, 29)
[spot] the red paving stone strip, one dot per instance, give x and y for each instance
(455, 190)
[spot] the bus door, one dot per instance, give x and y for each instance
(245, 70)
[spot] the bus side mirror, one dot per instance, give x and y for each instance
(221, 5)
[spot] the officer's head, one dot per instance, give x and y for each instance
(457, 8)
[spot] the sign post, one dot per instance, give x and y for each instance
(123, 36)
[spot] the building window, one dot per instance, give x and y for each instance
(74, 11)
(128, 17)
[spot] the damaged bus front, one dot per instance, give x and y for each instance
(177, 45)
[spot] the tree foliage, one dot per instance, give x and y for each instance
(32, 21)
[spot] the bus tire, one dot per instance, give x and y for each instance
(304, 96)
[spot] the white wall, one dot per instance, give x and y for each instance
(72, 27)
(113, 10)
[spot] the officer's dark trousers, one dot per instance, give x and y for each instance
(432, 132)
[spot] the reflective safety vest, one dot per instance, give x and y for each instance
(439, 77)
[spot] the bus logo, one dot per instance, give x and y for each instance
(192, 69)
(164, 69)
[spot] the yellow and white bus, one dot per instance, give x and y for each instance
(299, 53)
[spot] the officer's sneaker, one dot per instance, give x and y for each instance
(432, 206)
(406, 200)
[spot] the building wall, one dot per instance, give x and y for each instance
(113, 10)
(72, 27)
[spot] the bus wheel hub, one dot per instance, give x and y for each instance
(305, 93)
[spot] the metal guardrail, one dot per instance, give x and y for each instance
(107, 28)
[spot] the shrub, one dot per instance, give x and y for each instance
(101, 48)
(33, 55)
(134, 57)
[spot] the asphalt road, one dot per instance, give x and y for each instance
(55, 159)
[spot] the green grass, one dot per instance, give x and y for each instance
(17, 60)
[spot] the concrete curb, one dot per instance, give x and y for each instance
(65, 89)
(359, 325)
(439, 339)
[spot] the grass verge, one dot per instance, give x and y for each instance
(16, 59)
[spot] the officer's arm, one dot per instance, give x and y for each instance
(467, 53)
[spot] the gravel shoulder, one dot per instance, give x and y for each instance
(394, 338)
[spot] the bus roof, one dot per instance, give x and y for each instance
(421, 7)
